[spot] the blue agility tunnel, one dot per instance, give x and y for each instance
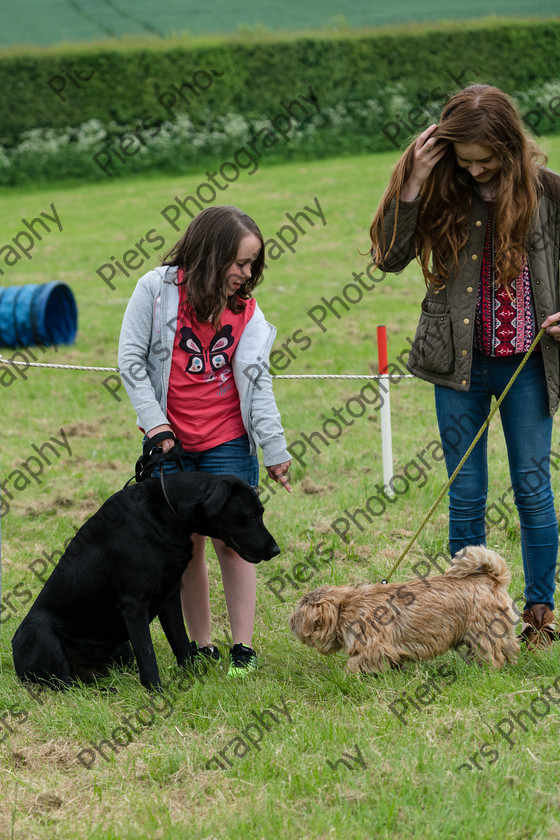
(32, 315)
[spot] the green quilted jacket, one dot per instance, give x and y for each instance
(442, 349)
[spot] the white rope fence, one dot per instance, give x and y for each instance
(5, 361)
(383, 377)
(274, 375)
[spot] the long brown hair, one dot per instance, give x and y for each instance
(478, 114)
(205, 252)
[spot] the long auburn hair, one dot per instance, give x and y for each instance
(205, 252)
(486, 116)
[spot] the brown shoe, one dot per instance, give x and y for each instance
(538, 627)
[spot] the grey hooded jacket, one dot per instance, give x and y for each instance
(146, 348)
(442, 348)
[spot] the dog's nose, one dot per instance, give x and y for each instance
(275, 551)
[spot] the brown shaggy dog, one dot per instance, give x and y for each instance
(386, 624)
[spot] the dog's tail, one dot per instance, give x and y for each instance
(477, 559)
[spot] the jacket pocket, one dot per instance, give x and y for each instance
(432, 348)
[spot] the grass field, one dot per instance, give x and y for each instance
(402, 736)
(37, 22)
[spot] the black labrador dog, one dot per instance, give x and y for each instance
(124, 567)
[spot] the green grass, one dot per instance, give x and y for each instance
(158, 785)
(31, 23)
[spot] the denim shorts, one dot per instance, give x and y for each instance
(230, 458)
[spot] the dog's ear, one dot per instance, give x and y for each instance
(219, 496)
(320, 619)
(311, 623)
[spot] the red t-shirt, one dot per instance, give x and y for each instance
(202, 399)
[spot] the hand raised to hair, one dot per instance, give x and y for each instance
(427, 152)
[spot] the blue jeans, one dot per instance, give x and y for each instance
(230, 458)
(527, 426)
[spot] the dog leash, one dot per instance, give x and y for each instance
(153, 456)
(453, 476)
(166, 497)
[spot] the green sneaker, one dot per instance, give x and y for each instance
(242, 660)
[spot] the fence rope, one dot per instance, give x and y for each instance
(3, 360)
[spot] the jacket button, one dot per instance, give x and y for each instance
(538, 282)
(474, 257)
(463, 382)
(478, 223)
(469, 289)
(466, 320)
(464, 352)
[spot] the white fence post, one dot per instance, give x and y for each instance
(386, 438)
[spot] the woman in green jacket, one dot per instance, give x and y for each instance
(471, 202)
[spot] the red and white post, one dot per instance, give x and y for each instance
(386, 437)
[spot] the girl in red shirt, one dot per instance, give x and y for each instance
(195, 346)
